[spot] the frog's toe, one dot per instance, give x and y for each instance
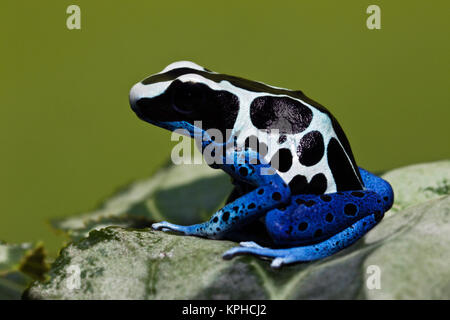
(249, 248)
(280, 257)
(281, 261)
(250, 244)
(231, 253)
(239, 251)
(167, 227)
(159, 226)
(277, 263)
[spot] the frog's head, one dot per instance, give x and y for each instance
(183, 94)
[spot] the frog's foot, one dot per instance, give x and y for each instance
(250, 244)
(167, 227)
(281, 257)
(310, 252)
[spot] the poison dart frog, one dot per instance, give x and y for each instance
(300, 183)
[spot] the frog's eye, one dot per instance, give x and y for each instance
(186, 98)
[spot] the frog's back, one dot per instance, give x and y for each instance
(313, 153)
(312, 150)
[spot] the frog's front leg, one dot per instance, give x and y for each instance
(271, 191)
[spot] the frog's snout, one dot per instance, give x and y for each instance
(146, 106)
(140, 103)
(135, 95)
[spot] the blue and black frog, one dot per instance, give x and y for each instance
(300, 186)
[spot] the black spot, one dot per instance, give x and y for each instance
(357, 194)
(311, 148)
(378, 216)
(300, 201)
(215, 219)
(190, 101)
(235, 209)
(344, 141)
(317, 185)
(298, 184)
(284, 158)
(318, 233)
(225, 216)
(243, 171)
(251, 206)
(260, 191)
(325, 198)
(282, 113)
(253, 143)
(350, 209)
(282, 139)
(276, 196)
(385, 198)
(303, 226)
(310, 203)
(329, 217)
(341, 168)
(217, 229)
(289, 230)
(282, 208)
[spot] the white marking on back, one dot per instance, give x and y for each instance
(244, 128)
(182, 64)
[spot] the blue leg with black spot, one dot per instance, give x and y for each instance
(271, 192)
(322, 225)
(380, 186)
(317, 251)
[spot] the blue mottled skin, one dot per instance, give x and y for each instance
(284, 213)
(326, 213)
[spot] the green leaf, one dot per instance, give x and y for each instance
(418, 183)
(409, 248)
(20, 264)
(183, 194)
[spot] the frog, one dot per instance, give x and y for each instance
(298, 184)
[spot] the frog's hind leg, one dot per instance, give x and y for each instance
(316, 226)
(380, 186)
(311, 252)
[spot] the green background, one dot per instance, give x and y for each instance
(69, 138)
